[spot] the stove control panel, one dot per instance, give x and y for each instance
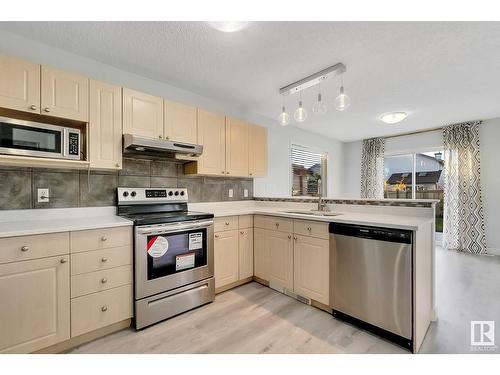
(151, 195)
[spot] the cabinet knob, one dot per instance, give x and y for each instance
(242, 232)
(227, 223)
(25, 248)
(117, 165)
(63, 260)
(46, 109)
(309, 229)
(216, 236)
(104, 308)
(160, 136)
(104, 280)
(167, 137)
(289, 236)
(104, 259)
(33, 107)
(227, 172)
(295, 238)
(250, 174)
(277, 224)
(223, 172)
(103, 238)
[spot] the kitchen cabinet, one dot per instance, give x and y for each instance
(245, 248)
(180, 122)
(260, 254)
(226, 263)
(35, 297)
(257, 151)
(142, 114)
(236, 148)
(280, 248)
(64, 95)
(19, 84)
(311, 268)
(105, 126)
(212, 135)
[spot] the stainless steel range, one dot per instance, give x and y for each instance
(173, 253)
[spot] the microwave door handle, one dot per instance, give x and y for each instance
(65, 140)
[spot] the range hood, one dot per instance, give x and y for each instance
(180, 151)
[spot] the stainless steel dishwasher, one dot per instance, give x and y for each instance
(371, 279)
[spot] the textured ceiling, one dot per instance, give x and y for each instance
(438, 72)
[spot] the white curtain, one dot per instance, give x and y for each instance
(463, 207)
(372, 168)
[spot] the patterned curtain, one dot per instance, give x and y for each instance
(463, 207)
(372, 168)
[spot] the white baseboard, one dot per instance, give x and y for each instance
(493, 251)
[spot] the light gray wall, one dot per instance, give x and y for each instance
(352, 170)
(278, 181)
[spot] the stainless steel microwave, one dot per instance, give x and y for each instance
(29, 138)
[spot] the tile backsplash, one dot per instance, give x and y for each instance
(72, 188)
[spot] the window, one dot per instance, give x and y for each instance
(308, 167)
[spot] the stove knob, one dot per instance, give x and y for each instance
(176, 193)
(182, 193)
(170, 193)
(133, 194)
(125, 194)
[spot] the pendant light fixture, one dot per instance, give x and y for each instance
(283, 118)
(342, 101)
(300, 114)
(319, 107)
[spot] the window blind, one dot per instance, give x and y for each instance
(307, 168)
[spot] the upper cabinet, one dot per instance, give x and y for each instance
(105, 126)
(64, 95)
(19, 85)
(142, 114)
(236, 148)
(257, 151)
(180, 122)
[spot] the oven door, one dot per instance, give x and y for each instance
(27, 138)
(168, 256)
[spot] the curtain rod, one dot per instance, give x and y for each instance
(414, 132)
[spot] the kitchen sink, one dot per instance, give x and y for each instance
(312, 213)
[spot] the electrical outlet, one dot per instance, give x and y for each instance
(245, 193)
(230, 193)
(43, 195)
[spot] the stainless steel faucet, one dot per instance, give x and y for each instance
(321, 203)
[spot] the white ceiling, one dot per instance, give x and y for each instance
(438, 72)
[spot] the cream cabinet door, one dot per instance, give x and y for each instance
(245, 246)
(236, 148)
(257, 151)
(226, 258)
(180, 122)
(311, 268)
(19, 84)
(105, 126)
(260, 254)
(212, 135)
(142, 114)
(35, 310)
(280, 247)
(64, 95)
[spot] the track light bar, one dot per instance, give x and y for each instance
(313, 79)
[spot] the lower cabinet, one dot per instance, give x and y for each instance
(245, 252)
(35, 311)
(311, 268)
(280, 249)
(226, 262)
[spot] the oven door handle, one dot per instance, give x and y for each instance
(173, 227)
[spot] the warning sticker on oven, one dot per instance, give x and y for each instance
(195, 241)
(157, 246)
(184, 261)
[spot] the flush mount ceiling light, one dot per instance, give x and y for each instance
(393, 117)
(229, 26)
(319, 107)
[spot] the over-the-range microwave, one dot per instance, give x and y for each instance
(29, 138)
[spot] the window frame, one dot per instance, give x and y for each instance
(324, 169)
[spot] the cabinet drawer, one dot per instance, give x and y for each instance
(104, 238)
(279, 224)
(225, 223)
(100, 259)
(14, 249)
(246, 221)
(98, 310)
(311, 228)
(98, 281)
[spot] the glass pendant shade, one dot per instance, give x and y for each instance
(300, 114)
(283, 118)
(319, 107)
(342, 101)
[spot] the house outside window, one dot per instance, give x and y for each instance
(308, 167)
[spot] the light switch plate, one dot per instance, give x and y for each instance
(230, 193)
(245, 193)
(43, 195)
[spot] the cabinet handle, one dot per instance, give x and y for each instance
(103, 238)
(227, 223)
(295, 238)
(289, 236)
(33, 107)
(216, 236)
(223, 172)
(250, 174)
(63, 260)
(104, 259)
(309, 229)
(227, 172)
(277, 225)
(104, 308)
(25, 248)
(160, 136)
(104, 280)
(167, 137)
(242, 232)
(46, 109)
